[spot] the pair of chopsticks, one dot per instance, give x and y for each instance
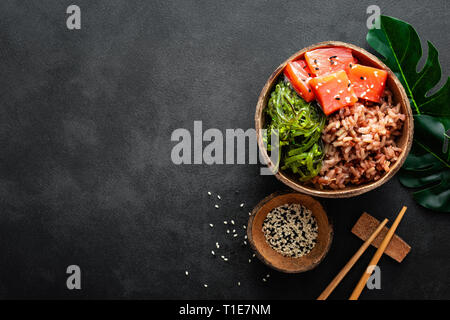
(377, 256)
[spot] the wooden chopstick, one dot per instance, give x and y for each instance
(333, 284)
(377, 256)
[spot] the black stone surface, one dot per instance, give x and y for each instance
(85, 170)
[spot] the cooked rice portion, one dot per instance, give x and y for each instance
(360, 143)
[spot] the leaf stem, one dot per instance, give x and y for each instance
(431, 152)
(401, 72)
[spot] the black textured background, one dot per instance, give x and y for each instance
(85, 170)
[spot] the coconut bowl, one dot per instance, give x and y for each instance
(276, 260)
(399, 96)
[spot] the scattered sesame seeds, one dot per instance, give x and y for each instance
(228, 231)
(186, 273)
(216, 206)
(211, 225)
(291, 230)
(249, 260)
(217, 245)
(245, 237)
(205, 285)
(234, 230)
(264, 279)
(235, 235)
(244, 226)
(242, 205)
(213, 253)
(209, 193)
(225, 222)
(232, 221)
(218, 197)
(254, 255)
(245, 243)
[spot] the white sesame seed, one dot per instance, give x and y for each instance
(242, 205)
(245, 243)
(217, 206)
(249, 213)
(328, 91)
(244, 226)
(254, 255)
(186, 272)
(211, 225)
(245, 237)
(268, 276)
(382, 83)
(205, 285)
(209, 193)
(249, 260)
(372, 86)
(228, 231)
(217, 245)
(225, 259)
(218, 197)
(376, 73)
(225, 222)
(239, 284)
(339, 80)
(232, 221)
(213, 253)
(235, 235)
(234, 230)
(264, 279)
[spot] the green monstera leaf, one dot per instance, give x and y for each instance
(428, 164)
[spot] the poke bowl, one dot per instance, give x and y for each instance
(341, 118)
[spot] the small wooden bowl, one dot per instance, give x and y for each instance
(276, 260)
(399, 96)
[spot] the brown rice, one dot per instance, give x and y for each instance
(360, 143)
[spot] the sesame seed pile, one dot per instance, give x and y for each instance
(291, 230)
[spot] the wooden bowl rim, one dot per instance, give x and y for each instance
(353, 190)
(262, 203)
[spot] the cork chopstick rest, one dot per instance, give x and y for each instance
(397, 249)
